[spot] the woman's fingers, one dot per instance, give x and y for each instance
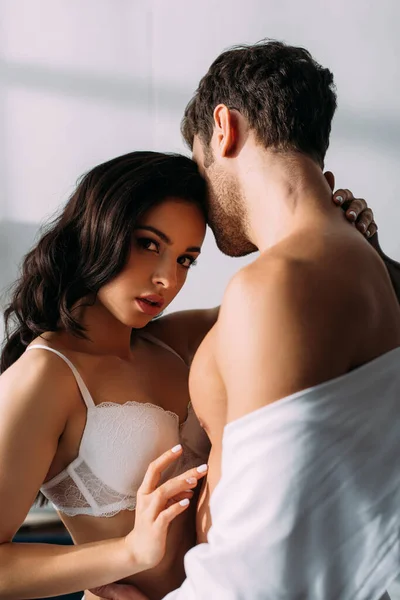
(154, 470)
(178, 497)
(118, 591)
(182, 483)
(364, 220)
(169, 514)
(342, 196)
(162, 496)
(372, 229)
(157, 505)
(174, 491)
(357, 211)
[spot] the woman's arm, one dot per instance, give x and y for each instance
(184, 330)
(358, 212)
(392, 266)
(35, 404)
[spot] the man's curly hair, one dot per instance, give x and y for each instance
(287, 98)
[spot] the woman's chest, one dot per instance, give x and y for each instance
(152, 375)
(138, 408)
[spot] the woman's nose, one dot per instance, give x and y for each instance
(166, 276)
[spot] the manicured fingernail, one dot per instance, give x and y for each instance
(363, 226)
(352, 214)
(176, 448)
(191, 480)
(184, 502)
(202, 468)
(339, 199)
(368, 233)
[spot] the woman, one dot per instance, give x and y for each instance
(89, 400)
(85, 431)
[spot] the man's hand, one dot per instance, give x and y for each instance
(357, 211)
(119, 591)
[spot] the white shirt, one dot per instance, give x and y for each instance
(308, 503)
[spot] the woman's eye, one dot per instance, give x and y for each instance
(187, 261)
(148, 244)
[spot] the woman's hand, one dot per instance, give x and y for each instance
(357, 211)
(119, 591)
(157, 506)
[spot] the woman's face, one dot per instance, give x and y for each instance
(166, 242)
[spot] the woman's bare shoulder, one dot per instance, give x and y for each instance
(38, 375)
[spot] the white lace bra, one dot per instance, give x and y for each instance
(117, 445)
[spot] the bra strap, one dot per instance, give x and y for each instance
(81, 384)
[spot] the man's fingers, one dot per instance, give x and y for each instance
(154, 470)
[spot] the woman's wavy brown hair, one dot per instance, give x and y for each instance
(88, 244)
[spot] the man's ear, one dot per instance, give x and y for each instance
(329, 176)
(225, 128)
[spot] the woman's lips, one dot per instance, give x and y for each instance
(150, 305)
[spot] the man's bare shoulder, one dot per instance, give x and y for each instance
(323, 278)
(275, 277)
(289, 334)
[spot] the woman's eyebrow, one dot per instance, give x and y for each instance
(163, 236)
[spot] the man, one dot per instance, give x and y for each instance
(307, 521)
(298, 383)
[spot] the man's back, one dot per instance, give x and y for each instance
(301, 398)
(313, 308)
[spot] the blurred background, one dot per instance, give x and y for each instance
(82, 81)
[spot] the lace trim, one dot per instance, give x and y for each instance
(75, 481)
(111, 511)
(135, 403)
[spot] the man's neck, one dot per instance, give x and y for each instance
(283, 193)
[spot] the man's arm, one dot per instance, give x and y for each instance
(283, 343)
(289, 332)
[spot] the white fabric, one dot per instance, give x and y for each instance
(117, 445)
(309, 500)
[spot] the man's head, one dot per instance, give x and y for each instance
(274, 94)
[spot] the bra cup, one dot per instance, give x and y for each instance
(120, 441)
